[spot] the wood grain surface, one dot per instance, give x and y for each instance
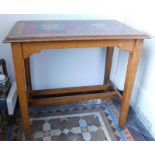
(60, 30)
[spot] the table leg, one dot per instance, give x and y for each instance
(134, 56)
(108, 64)
(21, 85)
(28, 72)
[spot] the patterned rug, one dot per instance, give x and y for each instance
(87, 121)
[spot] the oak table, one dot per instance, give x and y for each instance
(30, 37)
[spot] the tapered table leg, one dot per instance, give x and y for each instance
(21, 85)
(108, 64)
(134, 56)
(28, 72)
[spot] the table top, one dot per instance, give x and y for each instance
(61, 30)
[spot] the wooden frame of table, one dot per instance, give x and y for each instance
(23, 47)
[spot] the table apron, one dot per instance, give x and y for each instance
(29, 48)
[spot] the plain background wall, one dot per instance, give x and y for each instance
(68, 68)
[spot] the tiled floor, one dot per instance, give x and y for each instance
(72, 123)
(92, 121)
(135, 125)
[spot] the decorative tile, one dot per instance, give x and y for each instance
(47, 133)
(38, 134)
(65, 131)
(46, 126)
(86, 136)
(92, 128)
(76, 130)
(56, 132)
(82, 123)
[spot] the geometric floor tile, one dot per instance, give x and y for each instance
(83, 124)
(93, 121)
